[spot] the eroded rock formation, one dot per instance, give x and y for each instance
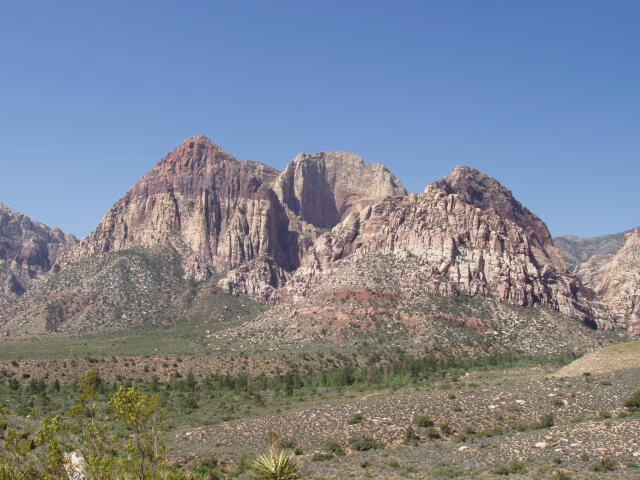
(468, 236)
(27, 250)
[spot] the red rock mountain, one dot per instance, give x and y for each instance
(241, 219)
(28, 249)
(327, 225)
(466, 235)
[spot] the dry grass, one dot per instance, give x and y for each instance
(608, 359)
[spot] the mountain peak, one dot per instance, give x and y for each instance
(487, 193)
(479, 189)
(199, 140)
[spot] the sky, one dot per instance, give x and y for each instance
(542, 95)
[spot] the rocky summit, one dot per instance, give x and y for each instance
(331, 243)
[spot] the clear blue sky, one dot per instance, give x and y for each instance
(543, 95)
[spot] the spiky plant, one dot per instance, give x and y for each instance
(275, 465)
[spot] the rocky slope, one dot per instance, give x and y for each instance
(465, 239)
(617, 283)
(609, 266)
(456, 269)
(105, 291)
(576, 250)
(27, 250)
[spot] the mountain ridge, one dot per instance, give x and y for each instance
(288, 237)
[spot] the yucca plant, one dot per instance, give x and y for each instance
(275, 465)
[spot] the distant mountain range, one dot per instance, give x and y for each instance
(338, 249)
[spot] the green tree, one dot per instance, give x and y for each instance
(94, 437)
(141, 414)
(54, 460)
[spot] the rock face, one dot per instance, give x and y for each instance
(243, 220)
(467, 234)
(28, 249)
(617, 283)
(327, 233)
(323, 188)
(576, 250)
(217, 211)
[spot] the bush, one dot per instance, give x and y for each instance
(546, 420)
(633, 402)
(321, 457)
(332, 446)
(423, 421)
(410, 436)
(562, 475)
(355, 419)
(432, 433)
(288, 443)
(606, 464)
(446, 429)
(514, 467)
(362, 444)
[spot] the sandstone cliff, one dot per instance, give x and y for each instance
(323, 188)
(617, 282)
(466, 234)
(27, 250)
(329, 228)
(241, 220)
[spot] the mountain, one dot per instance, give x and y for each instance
(464, 255)
(617, 283)
(28, 249)
(609, 267)
(337, 246)
(464, 244)
(213, 218)
(577, 250)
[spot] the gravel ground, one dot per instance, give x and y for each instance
(590, 423)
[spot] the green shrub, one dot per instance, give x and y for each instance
(546, 420)
(355, 419)
(605, 464)
(287, 443)
(362, 444)
(633, 402)
(410, 436)
(432, 433)
(516, 466)
(332, 446)
(562, 475)
(321, 457)
(423, 421)
(446, 429)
